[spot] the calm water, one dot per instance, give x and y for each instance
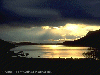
(50, 51)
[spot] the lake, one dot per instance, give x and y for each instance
(50, 51)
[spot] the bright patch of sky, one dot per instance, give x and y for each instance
(47, 34)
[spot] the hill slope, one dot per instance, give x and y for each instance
(5, 46)
(92, 39)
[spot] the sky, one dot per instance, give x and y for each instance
(42, 21)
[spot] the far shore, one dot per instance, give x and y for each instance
(38, 43)
(20, 44)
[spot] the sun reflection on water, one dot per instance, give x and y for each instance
(53, 51)
(57, 51)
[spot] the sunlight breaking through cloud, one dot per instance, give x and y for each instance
(68, 32)
(77, 30)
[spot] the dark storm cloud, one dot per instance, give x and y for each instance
(25, 13)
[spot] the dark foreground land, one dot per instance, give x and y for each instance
(53, 66)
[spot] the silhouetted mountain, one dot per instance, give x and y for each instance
(92, 39)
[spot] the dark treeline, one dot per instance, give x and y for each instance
(29, 43)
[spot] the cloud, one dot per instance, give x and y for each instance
(91, 6)
(29, 8)
(29, 13)
(40, 35)
(44, 13)
(94, 2)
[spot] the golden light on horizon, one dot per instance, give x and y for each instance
(77, 30)
(45, 27)
(71, 27)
